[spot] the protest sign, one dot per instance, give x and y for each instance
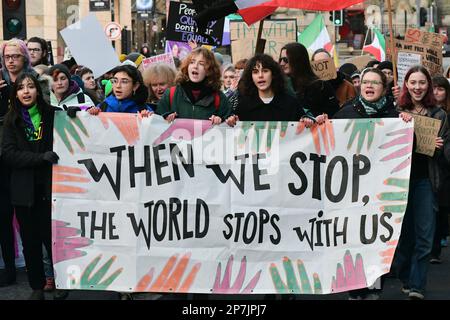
(181, 26)
(178, 49)
(277, 33)
(360, 62)
(139, 196)
(324, 69)
(89, 45)
(166, 58)
(405, 61)
(426, 130)
(430, 39)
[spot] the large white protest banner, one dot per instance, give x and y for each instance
(265, 207)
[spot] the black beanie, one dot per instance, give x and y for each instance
(61, 68)
(385, 65)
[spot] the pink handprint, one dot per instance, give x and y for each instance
(225, 285)
(354, 276)
(66, 242)
(185, 129)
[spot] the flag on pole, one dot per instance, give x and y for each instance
(316, 36)
(378, 46)
(255, 10)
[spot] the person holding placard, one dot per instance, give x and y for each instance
(416, 240)
(314, 94)
(197, 94)
(343, 89)
(27, 148)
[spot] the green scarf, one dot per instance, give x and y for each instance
(373, 107)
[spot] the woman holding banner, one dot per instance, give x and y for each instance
(197, 94)
(416, 240)
(27, 148)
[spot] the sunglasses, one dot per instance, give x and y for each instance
(283, 59)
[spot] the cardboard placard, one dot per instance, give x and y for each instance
(181, 26)
(324, 69)
(166, 58)
(426, 130)
(425, 38)
(360, 62)
(277, 33)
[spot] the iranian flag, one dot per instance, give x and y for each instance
(378, 46)
(255, 10)
(316, 36)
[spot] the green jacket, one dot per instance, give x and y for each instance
(201, 110)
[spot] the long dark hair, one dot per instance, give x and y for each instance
(141, 95)
(14, 115)
(428, 100)
(442, 82)
(247, 85)
(299, 63)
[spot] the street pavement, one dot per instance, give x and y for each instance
(438, 288)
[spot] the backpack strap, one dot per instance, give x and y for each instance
(80, 98)
(216, 100)
(172, 94)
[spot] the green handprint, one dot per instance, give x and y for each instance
(65, 125)
(94, 282)
(292, 285)
(362, 128)
(395, 196)
(261, 128)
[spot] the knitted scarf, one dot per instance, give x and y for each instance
(373, 107)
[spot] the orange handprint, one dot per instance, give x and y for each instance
(169, 280)
(325, 130)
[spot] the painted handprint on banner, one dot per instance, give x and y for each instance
(170, 278)
(399, 198)
(225, 285)
(63, 175)
(65, 127)
(184, 129)
(89, 281)
(406, 137)
(259, 132)
(67, 242)
(292, 284)
(128, 129)
(351, 277)
(324, 131)
(362, 129)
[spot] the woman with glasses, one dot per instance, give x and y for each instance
(371, 103)
(38, 51)
(129, 94)
(314, 95)
(66, 93)
(416, 239)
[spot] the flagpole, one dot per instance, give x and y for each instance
(365, 40)
(260, 43)
(392, 44)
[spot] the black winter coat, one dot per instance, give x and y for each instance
(28, 168)
(283, 107)
(355, 110)
(319, 97)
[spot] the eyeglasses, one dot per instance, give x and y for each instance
(34, 50)
(13, 57)
(372, 82)
(116, 81)
(283, 59)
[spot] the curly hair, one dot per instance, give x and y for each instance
(428, 100)
(247, 85)
(158, 72)
(212, 68)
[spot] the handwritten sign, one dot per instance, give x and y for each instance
(181, 26)
(405, 61)
(166, 58)
(430, 39)
(277, 33)
(324, 69)
(228, 210)
(426, 130)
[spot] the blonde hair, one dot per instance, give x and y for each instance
(158, 72)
